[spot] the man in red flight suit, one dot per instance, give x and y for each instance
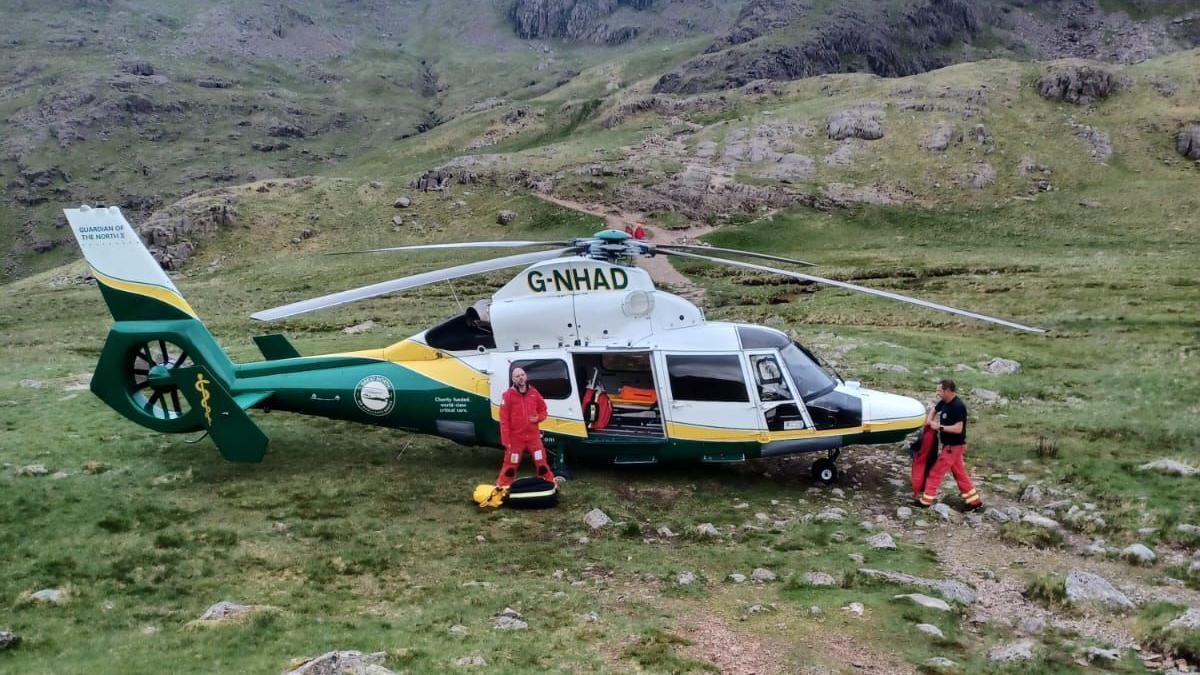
(949, 419)
(521, 410)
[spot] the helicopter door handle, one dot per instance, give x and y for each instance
(680, 404)
(314, 397)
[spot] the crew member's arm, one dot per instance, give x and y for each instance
(541, 408)
(955, 428)
(929, 418)
(505, 424)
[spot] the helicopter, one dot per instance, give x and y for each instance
(630, 374)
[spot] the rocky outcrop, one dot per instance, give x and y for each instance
(865, 123)
(174, 234)
(1078, 84)
(757, 18)
(343, 663)
(580, 20)
(875, 39)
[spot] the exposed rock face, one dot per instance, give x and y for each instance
(887, 43)
(1187, 141)
(433, 179)
(1079, 84)
(581, 20)
(173, 234)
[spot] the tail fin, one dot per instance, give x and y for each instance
(156, 334)
(135, 288)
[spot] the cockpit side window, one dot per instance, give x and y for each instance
(810, 379)
(707, 377)
(772, 386)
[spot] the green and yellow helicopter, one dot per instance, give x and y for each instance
(631, 374)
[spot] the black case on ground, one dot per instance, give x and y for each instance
(532, 493)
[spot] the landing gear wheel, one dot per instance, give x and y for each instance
(825, 471)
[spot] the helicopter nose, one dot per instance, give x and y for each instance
(885, 407)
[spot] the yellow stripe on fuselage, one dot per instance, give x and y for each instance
(693, 432)
(431, 363)
(146, 290)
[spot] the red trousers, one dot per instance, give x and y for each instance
(512, 461)
(950, 459)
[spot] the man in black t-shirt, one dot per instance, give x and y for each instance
(949, 419)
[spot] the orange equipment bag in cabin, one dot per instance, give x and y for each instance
(635, 396)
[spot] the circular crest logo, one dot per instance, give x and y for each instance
(374, 395)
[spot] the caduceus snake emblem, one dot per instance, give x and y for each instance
(202, 387)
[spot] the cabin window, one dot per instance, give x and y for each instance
(707, 378)
(549, 376)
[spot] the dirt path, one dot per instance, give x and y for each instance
(660, 269)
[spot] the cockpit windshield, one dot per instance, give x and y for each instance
(811, 380)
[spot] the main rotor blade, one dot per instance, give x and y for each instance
(404, 283)
(870, 291)
(463, 244)
(749, 254)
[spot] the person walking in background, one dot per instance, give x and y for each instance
(949, 419)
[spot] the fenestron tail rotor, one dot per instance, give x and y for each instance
(148, 366)
(861, 289)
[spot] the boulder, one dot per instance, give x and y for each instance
(999, 366)
(1187, 141)
(665, 531)
(226, 611)
(596, 519)
(942, 136)
(864, 123)
(855, 608)
(943, 511)
(1189, 620)
(1032, 494)
(830, 516)
(889, 368)
(762, 575)
(987, 396)
(470, 662)
(685, 578)
(1040, 521)
(1078, 84)
(940, 664)
(402, 203)
(931, 630)
(903, 513)
(981, 176)
(819, 579)
(95, 468)
(955, 590)
(1139, 554)
(707, 530)
(359, 328)
(996, 515)
(1012, 652)
(882, 541)
(737, 578)
(1102, 656)
(9, 640)
(1170, 466)
(343, 663)
(1084, 588)
(511, 619)
(924, 601)
(506, 217)
(50, 596)
(33, 470)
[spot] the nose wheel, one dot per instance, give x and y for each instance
(825, 469)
